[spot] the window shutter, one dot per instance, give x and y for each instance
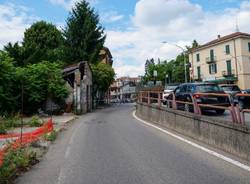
(210, 71)
(215, 68)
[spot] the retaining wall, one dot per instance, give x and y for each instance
(219, 133)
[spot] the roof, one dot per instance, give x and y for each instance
(222, 39)
(107, 51)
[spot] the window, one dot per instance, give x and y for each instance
(249, 46)
(199, 72)
(229, 67)
(197, 57)
(227, 48)
(213, 68)
(211, 55)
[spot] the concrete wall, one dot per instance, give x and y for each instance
(232, 138)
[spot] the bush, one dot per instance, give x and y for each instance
(51, 136)
(14, 161)
(12, 122)
(35, 122)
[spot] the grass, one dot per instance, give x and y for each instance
(16, 161)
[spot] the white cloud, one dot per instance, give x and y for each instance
(68, 4)
(175, 21)
(111, 16)
(14, 20)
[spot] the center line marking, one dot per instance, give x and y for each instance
(234, 162)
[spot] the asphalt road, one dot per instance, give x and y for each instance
(111, 147)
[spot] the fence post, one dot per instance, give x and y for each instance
(148, 97)
(197, 109)
(159, 99)
(174, 102)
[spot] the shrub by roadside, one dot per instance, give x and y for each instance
(16, 161)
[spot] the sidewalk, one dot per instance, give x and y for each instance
(59, 123)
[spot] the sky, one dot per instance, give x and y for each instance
(136, 29)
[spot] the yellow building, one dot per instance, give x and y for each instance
(223, 60)
(106, 56)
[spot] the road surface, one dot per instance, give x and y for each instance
(111, 147)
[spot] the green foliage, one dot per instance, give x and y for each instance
(41, 81)
(103, 76)
(11, 122)
(15, 160)
(84, 35)
(8, 97)
(35, 122)
(16, 52)
(42, 41)
(51, 136)
(174, 69)
(2, 128)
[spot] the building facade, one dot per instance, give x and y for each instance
(79, 83)
(124, 89)
(223, 60)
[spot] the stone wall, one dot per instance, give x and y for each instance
(219, 133)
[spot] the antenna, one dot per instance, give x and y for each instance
(237, 25)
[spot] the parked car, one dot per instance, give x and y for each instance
(185, 92)
(243, 101)
(231, 89)
(167, 91)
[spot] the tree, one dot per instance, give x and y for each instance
(84, 35)
(15, 51)
(42, 42)
(103, 76)
(40, 82)
(7, 84)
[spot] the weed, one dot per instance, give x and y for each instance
(35, 122)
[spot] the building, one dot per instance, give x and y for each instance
(223, 60)
(106, 56)
(124, 89)
(79, 83)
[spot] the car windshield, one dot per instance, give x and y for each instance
(171, 87)
(208, 88)
(230, 88)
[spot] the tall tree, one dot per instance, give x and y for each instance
(42, 41)
(83, 33)
(15, 51)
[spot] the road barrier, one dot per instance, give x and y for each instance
(237, 114)
(25, 138)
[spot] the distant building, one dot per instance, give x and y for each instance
(79, 83)
(223, 60)
(106, 56)
(124, 89)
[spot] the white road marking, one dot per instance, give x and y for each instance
(234, 162)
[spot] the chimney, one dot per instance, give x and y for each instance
(218, 36)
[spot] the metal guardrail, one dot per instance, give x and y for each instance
(237, 114)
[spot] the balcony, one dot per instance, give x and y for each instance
(198, 78)
(210, 60)
(228, 73)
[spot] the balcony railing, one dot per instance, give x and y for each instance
(228, 73)
(211, 59)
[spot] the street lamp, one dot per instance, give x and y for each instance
(183, 51)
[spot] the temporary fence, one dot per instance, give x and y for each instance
(25, 138)
(193, 105)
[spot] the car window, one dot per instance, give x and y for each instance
(190, 88)
(183, 88)
(171, 87)
(208, 88)
(177, 90)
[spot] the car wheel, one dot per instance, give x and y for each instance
(189, 108)
(220, 111)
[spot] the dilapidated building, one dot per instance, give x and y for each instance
(79, 83)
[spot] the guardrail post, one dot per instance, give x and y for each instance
(174, 102)
(197, 109)
(148, 97)
(159, 99)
